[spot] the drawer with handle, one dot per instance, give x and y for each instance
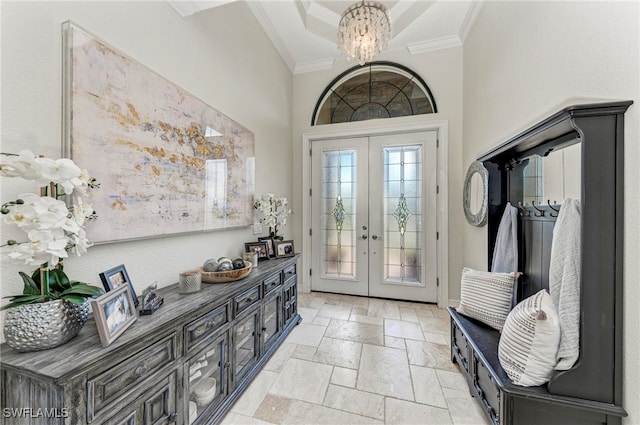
(246, 299)
(205, 326)
(271, 283)
(117, 381)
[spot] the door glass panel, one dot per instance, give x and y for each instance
(402, 214)
(338, 215)
(206, 377)
(245, 347)
(271, 318)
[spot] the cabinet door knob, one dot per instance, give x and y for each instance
(173, 417)
(140, 370)
(264, 329)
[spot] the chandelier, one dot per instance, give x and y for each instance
(364, 31)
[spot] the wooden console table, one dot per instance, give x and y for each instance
(185, 364)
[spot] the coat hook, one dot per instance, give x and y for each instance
(523, 211)
(540, 212)
(556, 210)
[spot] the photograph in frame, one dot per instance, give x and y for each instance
(116, 277)
(261, 248)
(114, 312)
(284, 249)
(269, 242)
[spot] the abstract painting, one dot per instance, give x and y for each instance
(167, 162)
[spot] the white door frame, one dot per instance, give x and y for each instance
(375, 129)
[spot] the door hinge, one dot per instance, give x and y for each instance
(437, 189)
(437, 281)
(309, 191)
(310, 272)
(437, 236)
(437, 143)
(310, 232)
(310, 152)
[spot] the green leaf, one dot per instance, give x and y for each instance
(30, 287)
(18, 300)
(83, 289)
(76, 299)
(60, 281)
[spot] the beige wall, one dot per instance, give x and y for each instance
(216, 63)
(521, 60)
(442, 71)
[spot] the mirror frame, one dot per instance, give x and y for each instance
(478, 219)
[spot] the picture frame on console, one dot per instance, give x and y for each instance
(269, 240)
(284, 249)
(116, 277)
(261, 248)
(114, 312)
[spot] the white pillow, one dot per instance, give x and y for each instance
(486, 296)
(529, 342)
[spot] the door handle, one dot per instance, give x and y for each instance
(363, 237)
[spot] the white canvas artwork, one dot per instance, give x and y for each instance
(166, 162)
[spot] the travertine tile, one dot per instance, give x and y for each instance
(435, 325)
(310, 301)
(345, 377)
(355, 331)
(453, 380)
(304, 352)
(384, 309)
(366, 319)
(303, 380)
(408, 314)
(394, 342)
(359, 311)
(463, 408)
(385, 371)
(402, 329)
(273, 409)
(426, 387)
(335, 311)
(354, 401)
(307, 314)
(400, 412)
(437, 338)
(321, 321)
(252, 397)
(338, 352)
(431, 355)
(307, 413)
(280, 357)
(237, 419)
(306, 334)
(441, 313)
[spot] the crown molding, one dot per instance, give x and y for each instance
(470, 19)
(264, 21)
(313, 65)
(432, 45)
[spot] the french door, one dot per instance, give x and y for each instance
(373, 204)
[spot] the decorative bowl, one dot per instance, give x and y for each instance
(227, 276)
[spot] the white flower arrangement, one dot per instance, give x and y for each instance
(274, 211)
(52, 229)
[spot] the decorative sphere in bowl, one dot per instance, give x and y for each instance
(211, 265)
(238, 263)
(225, 265)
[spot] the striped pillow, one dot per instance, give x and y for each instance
(529, 342)
(486, 296)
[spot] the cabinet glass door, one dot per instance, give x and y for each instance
(271, 319)
(207, 376)
(245, 347)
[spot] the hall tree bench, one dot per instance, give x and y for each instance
(591, 391)
(185, 364)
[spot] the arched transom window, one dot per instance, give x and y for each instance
(374, 90)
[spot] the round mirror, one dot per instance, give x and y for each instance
(476, 194)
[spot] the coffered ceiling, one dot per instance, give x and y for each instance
(305, 31)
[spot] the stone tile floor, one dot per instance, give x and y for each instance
(356, 360)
